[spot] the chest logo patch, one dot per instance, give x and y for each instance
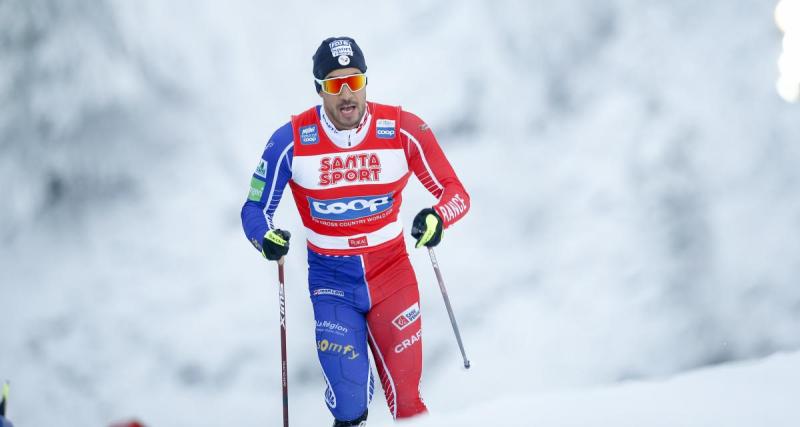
(353, 168)
(384, 129)
(309, 135)
(349, 208)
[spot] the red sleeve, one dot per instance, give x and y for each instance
(428, 162)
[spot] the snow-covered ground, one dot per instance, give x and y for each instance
(752, 393)
(634, 178)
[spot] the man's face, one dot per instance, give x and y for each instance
(347, 108)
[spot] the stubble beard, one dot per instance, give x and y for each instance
(341, 122)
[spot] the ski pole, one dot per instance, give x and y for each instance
(447, 304)
(284, 372)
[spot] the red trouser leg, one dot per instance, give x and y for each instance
(395, 336)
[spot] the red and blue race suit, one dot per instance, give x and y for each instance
(347, 186)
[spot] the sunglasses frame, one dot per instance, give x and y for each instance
(322, 86)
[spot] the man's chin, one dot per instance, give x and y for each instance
(348, 124)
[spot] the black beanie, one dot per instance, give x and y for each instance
(335, 53)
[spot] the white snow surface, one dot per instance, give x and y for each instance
(635, 204)
(751, 393)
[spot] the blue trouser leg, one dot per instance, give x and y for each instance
(340, 302)
(342, 350)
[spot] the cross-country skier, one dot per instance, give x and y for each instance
(4, 422)
(347, 162)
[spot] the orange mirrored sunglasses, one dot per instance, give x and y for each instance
(333, 86)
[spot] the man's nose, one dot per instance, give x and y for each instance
(346, 92)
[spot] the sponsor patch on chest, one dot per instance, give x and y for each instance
(352, 168)
(385, 129)
(309, 135)
(349, 208)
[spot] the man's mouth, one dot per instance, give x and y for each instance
(347, 109)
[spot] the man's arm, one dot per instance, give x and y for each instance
(428, 162)
(266, 186)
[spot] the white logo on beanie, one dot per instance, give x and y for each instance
(341, 48)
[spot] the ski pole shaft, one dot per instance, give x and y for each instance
(284, 371)
(448, 306)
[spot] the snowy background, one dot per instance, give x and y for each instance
(635, 183)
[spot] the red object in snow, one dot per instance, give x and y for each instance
(133, 423)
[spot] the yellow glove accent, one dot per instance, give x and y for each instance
(274, 237)
(430, 229)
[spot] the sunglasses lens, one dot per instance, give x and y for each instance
(357, 82)
(334, 86)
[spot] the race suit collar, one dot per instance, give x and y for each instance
(348, 138)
